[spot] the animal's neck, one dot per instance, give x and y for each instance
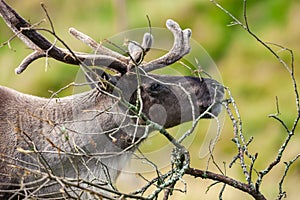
(89, 123)
(86, 133)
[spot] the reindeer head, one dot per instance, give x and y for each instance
(166, 100)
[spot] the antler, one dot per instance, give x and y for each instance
(180, 48)
(44, 47)
(98, 48)
(102, 56)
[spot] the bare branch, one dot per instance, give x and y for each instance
(290, 131)
(227, 180)
(282, 194)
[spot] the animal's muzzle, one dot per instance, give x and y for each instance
(213, 106)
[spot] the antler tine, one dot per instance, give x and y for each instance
(28, 60)
(180, 48)
(98, 48)
(138, 51)
(37, 42)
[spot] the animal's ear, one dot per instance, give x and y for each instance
(98, 77)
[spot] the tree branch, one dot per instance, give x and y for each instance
(197, 173)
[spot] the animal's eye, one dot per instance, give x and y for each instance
(156, 87)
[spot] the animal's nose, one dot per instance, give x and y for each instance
(214, 98)
(215, 89)
(217, 94)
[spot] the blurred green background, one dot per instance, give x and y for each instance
(254, 76)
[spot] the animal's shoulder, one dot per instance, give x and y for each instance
(12, 97)
(6, 96)
(11, 100)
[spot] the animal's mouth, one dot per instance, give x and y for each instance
(212, 111)
(213, 106)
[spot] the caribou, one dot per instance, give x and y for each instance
(52, 147)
